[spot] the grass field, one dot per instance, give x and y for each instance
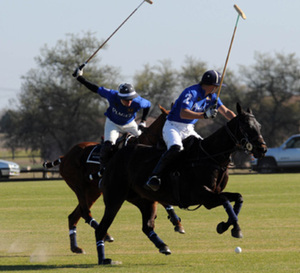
(34, 232)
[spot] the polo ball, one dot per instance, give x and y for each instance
(238, 250)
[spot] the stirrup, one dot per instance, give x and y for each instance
(94, 176)
(153, 183)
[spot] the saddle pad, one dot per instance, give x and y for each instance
(94, 155)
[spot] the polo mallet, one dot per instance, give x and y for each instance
(240, 14)
(102, 45)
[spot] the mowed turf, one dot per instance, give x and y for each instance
(34, 232)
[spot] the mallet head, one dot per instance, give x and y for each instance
(240, 12)
(149, 1)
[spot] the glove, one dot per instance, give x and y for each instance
(78, 71)
(142, 125)
(211, 112)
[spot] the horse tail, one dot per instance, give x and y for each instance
(51, 164)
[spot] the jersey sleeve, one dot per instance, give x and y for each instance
(219, 103)
(145, 103)
(105, 92)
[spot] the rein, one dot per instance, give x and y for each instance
(212, 157)
(188, 209)
(244, 143)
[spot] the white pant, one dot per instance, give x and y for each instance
(174, 132)
(112, 130)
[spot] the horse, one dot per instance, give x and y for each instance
(74, 169)
(197, 176)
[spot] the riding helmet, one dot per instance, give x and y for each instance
(127, 92)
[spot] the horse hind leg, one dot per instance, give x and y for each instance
(73, 219)
(174, 219)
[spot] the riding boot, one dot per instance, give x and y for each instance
(154, 180)
(105, 154)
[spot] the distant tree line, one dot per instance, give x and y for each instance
(57, 112)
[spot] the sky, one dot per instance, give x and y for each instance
(166, 30)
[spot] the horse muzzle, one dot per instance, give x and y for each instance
(259, 151)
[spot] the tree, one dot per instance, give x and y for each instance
(55, 110)
(158, 84)
(273, 92)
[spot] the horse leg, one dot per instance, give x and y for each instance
(91, 198)
(83, 210)
(110, 213)
(232, 214)
(212, 200)
(73, 219)
(174, 219)
(148, 210)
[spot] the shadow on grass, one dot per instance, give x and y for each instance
(8, 268)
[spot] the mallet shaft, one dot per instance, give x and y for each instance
(240, 14)
(92, 56)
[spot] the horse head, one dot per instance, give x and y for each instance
(244, 129)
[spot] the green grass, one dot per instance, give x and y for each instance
(34, 232)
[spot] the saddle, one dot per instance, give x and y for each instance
(94, 155)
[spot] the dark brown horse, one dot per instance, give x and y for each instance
(74, 168)
(197, 177)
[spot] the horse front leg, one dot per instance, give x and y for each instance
(232, 214)
(148, 210)
(212, 200)
(84, 212)
(174, 219)
(101, 231)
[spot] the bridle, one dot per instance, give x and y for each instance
(245, 143)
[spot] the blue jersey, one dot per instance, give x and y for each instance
(117, 112)
(192, 98)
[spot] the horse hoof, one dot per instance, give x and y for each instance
(77, 250)
(222, 227)
(179, 229)
(105, 262)
(165, 250)
(236, 233)
(108, 238)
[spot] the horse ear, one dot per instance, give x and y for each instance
(163, 110)
(249, 111)
(238, 108)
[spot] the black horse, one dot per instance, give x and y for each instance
(197, 177)
(77, 163)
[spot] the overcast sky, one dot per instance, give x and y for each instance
(168, 29)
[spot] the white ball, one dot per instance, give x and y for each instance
(238, 249)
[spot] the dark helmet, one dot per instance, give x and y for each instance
(126, 91)
(212, 77)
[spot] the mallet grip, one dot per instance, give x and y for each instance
(79, 68)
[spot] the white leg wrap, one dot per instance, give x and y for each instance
(72, 231)
(93, 220)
